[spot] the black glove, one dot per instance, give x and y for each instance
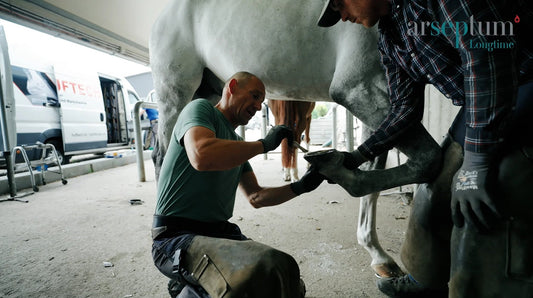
(352, 160)
(470, 199)
(274, 137)
(309, 182)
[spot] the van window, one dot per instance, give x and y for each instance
(132, 98)
(152, 97)
(36, 85)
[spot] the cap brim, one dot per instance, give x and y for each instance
(328, 17)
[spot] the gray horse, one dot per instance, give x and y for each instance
(196, 45)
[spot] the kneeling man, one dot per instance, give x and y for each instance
(202, 253)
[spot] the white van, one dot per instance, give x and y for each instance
(76, 109)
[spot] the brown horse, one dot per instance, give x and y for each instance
(297, 116)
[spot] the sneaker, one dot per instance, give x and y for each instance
(407, 286)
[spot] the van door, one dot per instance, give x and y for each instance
(83, 121)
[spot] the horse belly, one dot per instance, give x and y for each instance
(296, 63)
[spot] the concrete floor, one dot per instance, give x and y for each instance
(56, 245)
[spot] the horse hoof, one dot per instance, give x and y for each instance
(322, 155)
(387, 270)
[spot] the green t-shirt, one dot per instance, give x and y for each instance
(207, 196)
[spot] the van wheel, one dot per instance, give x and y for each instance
(63, 160)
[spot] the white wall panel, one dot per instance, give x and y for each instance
(439, 113)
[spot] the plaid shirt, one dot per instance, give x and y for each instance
(417, 50)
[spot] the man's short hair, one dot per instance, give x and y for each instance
(242, 77)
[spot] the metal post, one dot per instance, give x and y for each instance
(349, 131)
(264, 124)
(398, 160)
(242, 132)
(138, 136)
(334, 137)
(10, 174)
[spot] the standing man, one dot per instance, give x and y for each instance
(478, 53)
(151, 136)
(194, 244)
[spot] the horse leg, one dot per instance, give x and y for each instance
(423, 153)
(286, 160)
(382, 264)
(294, 165)
(423, 165)
(178, 72)
(286, 174)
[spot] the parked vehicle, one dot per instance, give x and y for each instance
(76, 109)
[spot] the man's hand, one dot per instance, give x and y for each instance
(309, 182)
(274, 137)
(470, 199)
(352, 160)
